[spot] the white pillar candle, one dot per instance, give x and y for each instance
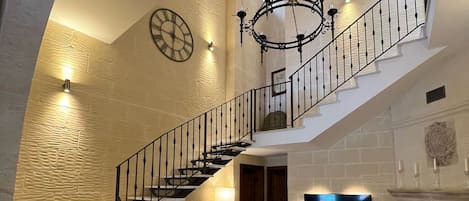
(435, 167)
(466, 165)
(416, 169)
(400, 166)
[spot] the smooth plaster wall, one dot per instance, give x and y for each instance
(243, 62)
(360, 163)
(21, 29)
(411, 115)
(123, 96)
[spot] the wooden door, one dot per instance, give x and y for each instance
(251, 183)
(277, 184)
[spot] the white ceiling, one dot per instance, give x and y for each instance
(105, 20)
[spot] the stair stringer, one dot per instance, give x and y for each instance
(350, 109)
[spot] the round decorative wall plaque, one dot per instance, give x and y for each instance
(440, 142)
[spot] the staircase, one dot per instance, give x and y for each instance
(350, 77)
(177, 186)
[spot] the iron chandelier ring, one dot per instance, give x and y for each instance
(316, 7)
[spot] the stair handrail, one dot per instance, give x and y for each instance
(375, 17)
(257, 103)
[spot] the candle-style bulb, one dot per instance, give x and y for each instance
(400, 166)
(466, 165)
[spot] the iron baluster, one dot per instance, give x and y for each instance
(159, 168)
(398, 20)
(216, 125)
(351, 53)
(336, 63)
(174, 153)
(118, 175)
(317, 80)
(205, 140)
(366, 40)
(330, 68)
(291, 101)
(358, 46)
(323, 76)
(304, 90)
(406, 16)
(389, 20)
(343, 54)
(374, 31)
(254, 110)
(152, 166)
(136, 173)
(127, 179)
(251, 114)
(381, 19)
(144, 166)
(416, 12)
(310, 84)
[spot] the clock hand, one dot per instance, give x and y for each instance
(173, 34)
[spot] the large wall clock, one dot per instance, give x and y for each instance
(171, 35)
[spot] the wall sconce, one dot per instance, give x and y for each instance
(66, 86)
(210, 46)
(225, 194)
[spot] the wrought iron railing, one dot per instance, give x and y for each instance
(176, 149)
(375, 32)
(276, 106)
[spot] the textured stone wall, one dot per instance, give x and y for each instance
(22, 26)
(123, 96)
(362, 162)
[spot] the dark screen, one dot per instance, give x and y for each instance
(337, 197)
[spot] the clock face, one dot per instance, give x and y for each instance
(171, 35)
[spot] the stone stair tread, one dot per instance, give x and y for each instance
(182, 176)
(154, 198)
(243, 143)
(236, 148)
(224, 152)
(181, 187)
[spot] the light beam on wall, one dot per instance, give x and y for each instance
(225, 194)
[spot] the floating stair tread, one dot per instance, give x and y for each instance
(181, 187)
(188, 176)
(215, 157)
(154, 198)
(224, 152)
(236, 148)
(238, 144)
(201, 168)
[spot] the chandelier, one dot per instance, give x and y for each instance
(316, 8)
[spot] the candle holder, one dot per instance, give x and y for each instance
(466, 173)
(400, 181)
(417, 180)
(436, 175)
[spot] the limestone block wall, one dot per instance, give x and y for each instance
(228, 177)
(21, 29)
(411, 114)
(123, 96)
(362, 162)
